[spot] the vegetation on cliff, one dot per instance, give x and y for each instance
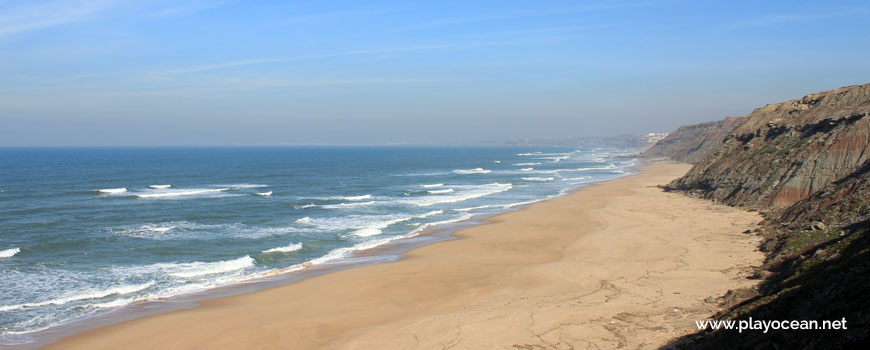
(805, 164)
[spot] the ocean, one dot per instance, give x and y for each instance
(87, 231)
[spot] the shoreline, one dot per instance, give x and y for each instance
(391, 251)
(496, 272)
(388, 252)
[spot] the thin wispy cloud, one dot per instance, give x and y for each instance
(363, 52)
(223, 65)
(20, 18)
(333, 16)
(512, 14)
(181, 9)
(787, 18)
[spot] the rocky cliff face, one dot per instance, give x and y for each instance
(784, 152)
(692, 143)
(804, 164)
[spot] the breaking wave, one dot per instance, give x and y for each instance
(181, 193)
(459, 196)
(343, 198)
(471, 171)
(196, 269)
(292, 247)
(8, 253)
(345, 205)
(98, 294)
(113, 190)
(538, 179)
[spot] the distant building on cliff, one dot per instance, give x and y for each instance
(655, 137)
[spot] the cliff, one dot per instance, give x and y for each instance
(692, 143)
(804, 164)
(784, 152)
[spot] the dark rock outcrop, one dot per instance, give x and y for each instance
(692, 143)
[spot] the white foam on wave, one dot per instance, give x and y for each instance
(158, 229)
(497, 162)
(526, 164)
(362, 225)
(490, 206)
(527, 169)
(241, 186)
(431, 186)
(8, 253)
(292, 247)
(556, 159)
(113, 190)
(459, 196)
(195, 269)
(302, 221)
(497, 206)
(159, 187)
(181, 193)
(471, 171)
(449, 190)
(610, 166)
(537, 179)
(341, 253)
(377, 228)
(343, 198)
(264, 194)
(345, 205)
(421, 228)
(153, 231)
(528, 154)
(191, 230)
(93, 294)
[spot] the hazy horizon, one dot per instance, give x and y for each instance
(232, 73)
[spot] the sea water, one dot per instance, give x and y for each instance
(85, 231)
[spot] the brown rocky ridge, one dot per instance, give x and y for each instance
(692, 143)
(784, 152)
(805, 164)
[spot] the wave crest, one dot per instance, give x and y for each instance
(195, 269)
(113, 190)
(292, 247)
(180, 193)
(471, 171)
(8, 253)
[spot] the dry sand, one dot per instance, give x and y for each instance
(618, 264)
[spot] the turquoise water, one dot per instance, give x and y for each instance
(88, 230)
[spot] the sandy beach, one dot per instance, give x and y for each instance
(617, 264)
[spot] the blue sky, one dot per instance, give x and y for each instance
(155, 72)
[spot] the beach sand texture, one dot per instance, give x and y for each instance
(617, 264)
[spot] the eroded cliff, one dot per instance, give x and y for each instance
(692, 143)
(784, 152)
(804, 164)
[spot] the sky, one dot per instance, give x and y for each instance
(256, 73)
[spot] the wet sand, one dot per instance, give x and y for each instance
(617, 264)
